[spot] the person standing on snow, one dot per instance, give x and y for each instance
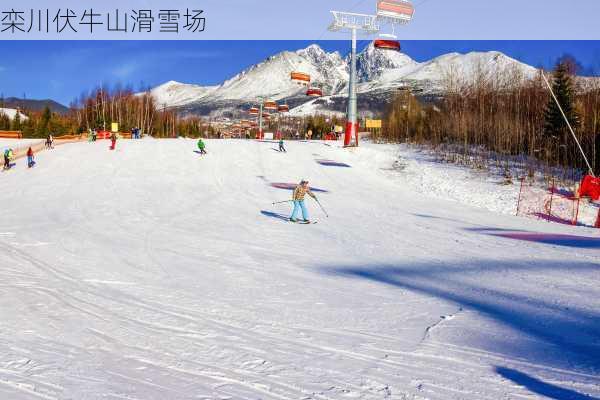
(201, 146)
(7, 157)
(281, 148)
(30, 161)
(298, 198)
(113, 141)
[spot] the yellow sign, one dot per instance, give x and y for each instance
(339, 129)
(373, 124)
(115, 127)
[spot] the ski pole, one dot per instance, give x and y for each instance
(281, 202)
(320, 205)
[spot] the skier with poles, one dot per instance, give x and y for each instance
(201, 146)
(281, 147)
(298, 198)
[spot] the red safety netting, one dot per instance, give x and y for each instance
(555, 204)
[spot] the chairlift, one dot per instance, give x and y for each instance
(314, 92)
(396, 11)
(300, 78)
(387, 44)
(270, 105)
(253, 111)
(283, 108)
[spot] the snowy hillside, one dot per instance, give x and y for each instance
(173, 94)
(379, 71)
(152, 273)
(12, 112)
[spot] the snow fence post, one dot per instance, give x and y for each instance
(520, 193)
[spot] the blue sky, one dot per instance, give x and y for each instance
(308, 19)
(61, 70)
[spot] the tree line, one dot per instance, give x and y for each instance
(499, 116)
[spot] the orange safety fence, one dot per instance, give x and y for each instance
(69, 137)
(11, 135)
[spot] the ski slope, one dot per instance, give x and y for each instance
(153, 273)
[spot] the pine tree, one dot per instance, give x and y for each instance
(16, 123)
(555, 127)
(42, 129)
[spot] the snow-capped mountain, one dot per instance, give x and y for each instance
(271, 78)
(380, 72)
(175, 94)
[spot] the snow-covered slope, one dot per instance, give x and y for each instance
(152, 273)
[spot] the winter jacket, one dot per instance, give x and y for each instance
(30, 152)
(301, 191)
(201, 144)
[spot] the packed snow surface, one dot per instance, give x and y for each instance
(151, 272)
(17, 143)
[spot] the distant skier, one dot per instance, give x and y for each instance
(8, 154)
(298, 197)
(49, 141)
(281, 147)
(201, 146)
(30, 160)
(113, 141)
(94, 135)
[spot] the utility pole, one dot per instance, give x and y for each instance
(394, 12)
(343, 21)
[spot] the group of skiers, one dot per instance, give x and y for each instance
(301, 190)
(136, 133)
(9, 156)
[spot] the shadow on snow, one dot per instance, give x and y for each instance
(537, 386)
(275, 215)
(566, 337)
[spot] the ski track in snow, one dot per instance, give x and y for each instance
(150, 273)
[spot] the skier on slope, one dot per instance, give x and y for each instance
(8, 153)
(113, 141)
(201, 146)
(281, 148)
(298, 198)
(30, 161)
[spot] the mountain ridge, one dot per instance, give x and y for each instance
(380, 73)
